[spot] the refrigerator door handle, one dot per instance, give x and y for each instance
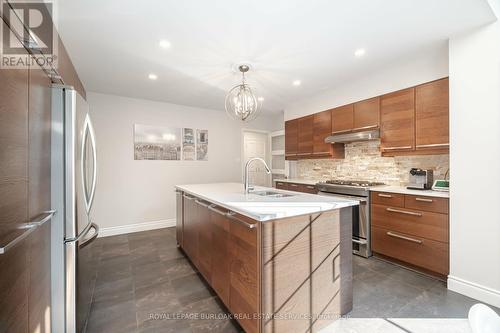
(88, 132)
(91, 239)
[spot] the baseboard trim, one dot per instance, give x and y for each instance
(474, 290)
(136, 227)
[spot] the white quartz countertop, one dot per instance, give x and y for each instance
(298, 181)
(404, 190)
(261, 208)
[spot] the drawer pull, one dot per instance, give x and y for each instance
(230, 215)
(201, 203)
(384, 195)
(311, 187)
(423, 200)
(418, 241)
(294, 185)
(403, 212)
(188, 197)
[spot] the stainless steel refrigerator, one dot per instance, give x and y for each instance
(74, 180)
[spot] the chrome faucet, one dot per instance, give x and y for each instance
(249, 188)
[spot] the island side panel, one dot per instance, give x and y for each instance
(333, 299)
(307, 271)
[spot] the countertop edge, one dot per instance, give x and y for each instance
(404, 190)
(254, 217)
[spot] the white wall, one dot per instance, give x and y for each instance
(426, 66)
(133, 192)
(475, 163)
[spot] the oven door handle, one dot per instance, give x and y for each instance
(362, 242)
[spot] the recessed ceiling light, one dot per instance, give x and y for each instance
(152, 76)
(165, 44)
(260, 99)
(359, 53)
(296, 83)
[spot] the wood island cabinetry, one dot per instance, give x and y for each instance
(263, 268)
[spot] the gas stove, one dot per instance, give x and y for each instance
(360, 191)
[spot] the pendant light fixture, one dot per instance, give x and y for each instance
(241, 103)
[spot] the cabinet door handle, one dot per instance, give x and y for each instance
(202, 203)
(397, 148)
(230, 215)
(418, 241)
(434, 145)
(423, 200)
(384, 195)
(303, 154)
(403, 212)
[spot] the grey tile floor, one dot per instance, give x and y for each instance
(145, 284)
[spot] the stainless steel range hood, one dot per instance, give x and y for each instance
(353, 136)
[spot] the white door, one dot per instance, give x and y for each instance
(255, 145)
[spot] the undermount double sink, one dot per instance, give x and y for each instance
(272, 194)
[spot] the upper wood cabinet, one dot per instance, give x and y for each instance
(413, 121)
(322, 127)
(367, 114)
(291, 138)
(305, 140)
(432, 115)
(397, 117)
(343, 119)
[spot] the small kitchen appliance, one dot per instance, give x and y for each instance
(420, 179)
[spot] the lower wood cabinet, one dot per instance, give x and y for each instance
(221, 263)
(190, 229)
(205, 252)
(282, 185)
(244, 273)
(413, 229)
(418, 251)
(297, 187)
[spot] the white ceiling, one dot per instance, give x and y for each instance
(114, 43)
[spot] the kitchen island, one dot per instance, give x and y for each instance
(280, 261)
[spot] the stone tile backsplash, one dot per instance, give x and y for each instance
(363, 161)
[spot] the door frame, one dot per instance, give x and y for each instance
(268, 152)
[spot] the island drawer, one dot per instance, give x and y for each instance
(412, 222)
(430, 204)
(386, 198)
(418, 251)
